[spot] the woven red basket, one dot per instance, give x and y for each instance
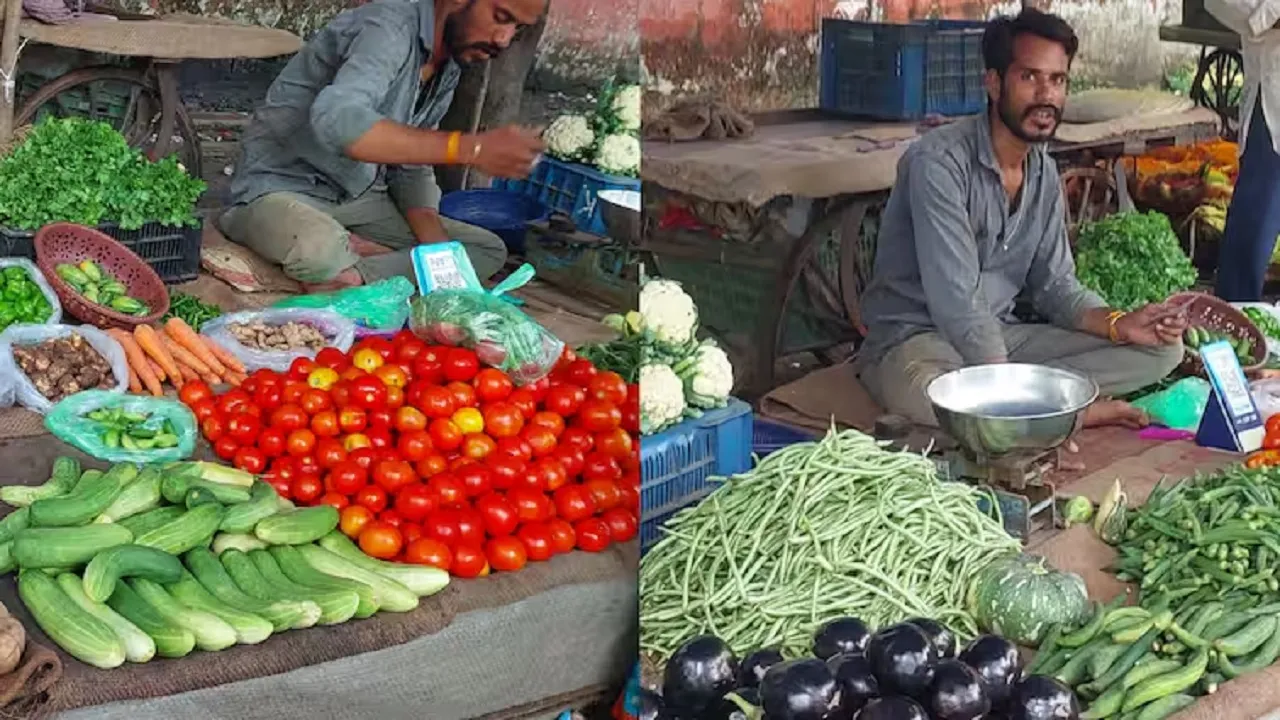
(69, 243)
(1214, 314)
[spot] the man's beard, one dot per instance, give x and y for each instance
(1015, 122)
(453, 41)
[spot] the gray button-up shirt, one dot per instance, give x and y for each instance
(363, 67)
(952, 256)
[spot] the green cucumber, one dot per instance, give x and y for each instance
(1261, 658)
(144, 523)
(65, 547)
(15, 521)
(1165, 706)
(108, 566)
(391, 595)
(263, 502)
(1126, 662)
(1142, 671)
(212, 633)
(421, 580)
(1130, 635)
(282, 614)
(250, 629)
(1248, 638)
(63, 479)
(138, 646)
(298, 570)
(335, 606)
(196, 527)
(297, 527)
(83, 504)
(172, 640)
(137, 497)
(1169, 683)
(80, 634)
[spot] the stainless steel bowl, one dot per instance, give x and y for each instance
(620, 210)
(993, 410)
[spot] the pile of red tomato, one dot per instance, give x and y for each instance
(436, 460)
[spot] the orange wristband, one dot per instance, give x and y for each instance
(451, 150)
(1112, 319)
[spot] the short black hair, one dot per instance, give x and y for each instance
(997, 40)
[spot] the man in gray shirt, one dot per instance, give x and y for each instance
(974, 220)
(336, 183)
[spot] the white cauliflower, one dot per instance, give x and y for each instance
(661, 398)
(626, 107)
(707, 376)
(668, 311)
(619, 155)
(569, 137)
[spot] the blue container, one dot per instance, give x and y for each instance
(901, 72)
(769, 437)
(570, 188)
(676, 464)
(502, 212)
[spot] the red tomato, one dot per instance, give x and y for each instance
(598, 416)
(301, 367)
(250, 460)
(530, 505)
(271, 442)
(372, 497)
(432, 465)
(204, 409)
(460, 365)
(541, 440)
(234, 400)
(195, 392)
(414, 446)
(608, 387)
(537, 541)
(563, 537)
(631, 416)
(325, 424)
(630, 499)
(460, 462)
(393, 376)
(503, 420)
(411, 532)
(572, 460)
(605, 494)
(393, 475)
(288, 418)
(445, 435)
(293, 393)
(552, 473)
(408, 349)
(470, 526)
(381, 540)
(469, 562)
(428, 367)
(593, 534)
(332, 358)
(415, 502)
(307, 464)
(408, 419)
(564, 400)
(550, 421)
(268, 397)
(437, 402)
(226, 447)
(506, 554)
(316, 401)
(498, 513)
(341, 394)
(429, 551)
(538, 388)
(307, 489)
(615, 443)
(391, 517)
(601, 467)
(346, 478)
(300, 442)
(363, 457)
(578, 439)
(354, 519)
(622, 524)
(478, 446)
(329, 453)
(492, 385)
(395, 398)
(516, 448)
(476, 479)
(463, 395)
(524, 401)
(353, 420)
(449, 489)
(335, 500)
(574, 503)
(506, 470)
(442, 525)
(381, 419)
(580, 372)
(369, 393)
(243, 428)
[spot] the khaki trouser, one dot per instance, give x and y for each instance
(898, 382)
(308, 237)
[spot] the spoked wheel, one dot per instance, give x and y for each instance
(130, 100)
(1218, 86)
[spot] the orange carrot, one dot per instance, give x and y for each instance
(183, 335)
(189, 373)
(150, 343)
(158, 371)
(224, 356)
(139, 362)
(237, 378)
(183, 356)
(135, 385)
(211, 380)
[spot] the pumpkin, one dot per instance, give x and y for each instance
(1113, 515)
(1021, 598)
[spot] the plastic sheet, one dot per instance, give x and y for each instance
(67, 422)
(25, 391)
(384, 305)
(339, 332)
(1179, 406)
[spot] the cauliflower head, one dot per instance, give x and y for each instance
(709, 378)
(668, 311)
(569, 137)
(661, 398)
(626, 107)
(619, 155)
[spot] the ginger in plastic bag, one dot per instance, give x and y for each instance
(501, 335)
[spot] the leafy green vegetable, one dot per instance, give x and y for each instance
(1265, 321)
(81, 171)
(1132, 259)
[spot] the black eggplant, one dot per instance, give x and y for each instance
(894, 707)
(1043, 698)
(956, 693)
(697, 677)
(998, 663)
(799, 690)
(651, 707)
(857, 683)
(842, 635)
(754, 665)
(944, 641)
(902, 659)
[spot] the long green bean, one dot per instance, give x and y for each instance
(842, 526)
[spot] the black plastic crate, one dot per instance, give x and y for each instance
(173, 252)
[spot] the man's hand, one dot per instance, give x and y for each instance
(1153, 325)
(507, 152)
(426, 226)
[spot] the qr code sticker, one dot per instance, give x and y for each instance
(444, 272)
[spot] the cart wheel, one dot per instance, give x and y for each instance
(126, 98)
(1218, 86)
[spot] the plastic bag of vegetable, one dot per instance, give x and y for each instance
(25, 296)
(1179, 406)
(26, 391)
(338, 332)
(384, 305)
(159, 429)
(500, 333)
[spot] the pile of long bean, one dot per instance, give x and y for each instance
(841, 526)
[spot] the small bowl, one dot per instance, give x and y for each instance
(61, 243)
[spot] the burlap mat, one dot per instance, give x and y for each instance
(171, 37)
(697, 120)
(816, 399)
(825, 157)
(25, 692)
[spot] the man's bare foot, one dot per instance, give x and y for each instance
(365, 248)
(348, 278)
(1115, 412)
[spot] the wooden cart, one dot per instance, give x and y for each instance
(1220, 70)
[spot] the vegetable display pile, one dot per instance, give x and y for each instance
(1132, 259)
(607, 138)
(908, 671)
(1197, 337)
(431, 458)
(21, 300)
(128, 564)
(177, 354)
(64, 366)
(840, 525)
(191, 310)
(81, 171)
(133, 431)
(101, 288)
(287, 336)
(1266, 322)
(658, 347)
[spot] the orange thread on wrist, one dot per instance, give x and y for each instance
(451, 150)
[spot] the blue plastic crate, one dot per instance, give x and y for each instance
(769, 437)
(570, 188)
(502, 212)
(902, 72)
(675, 464)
